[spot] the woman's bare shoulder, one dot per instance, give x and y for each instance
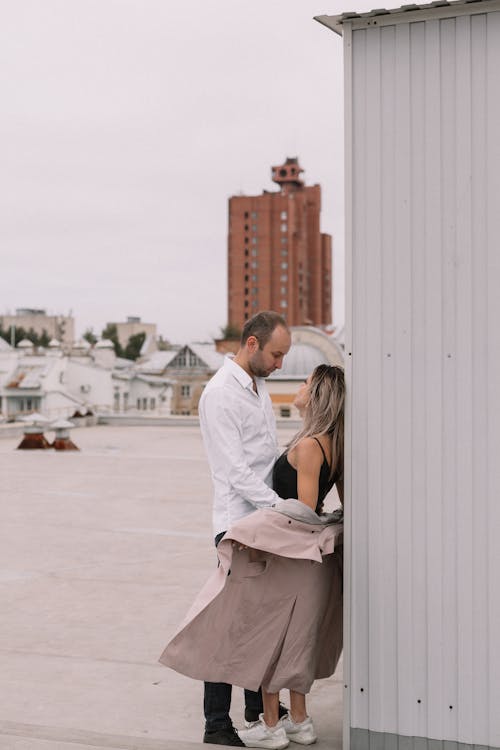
(308, 450)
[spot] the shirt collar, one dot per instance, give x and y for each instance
(241, 376)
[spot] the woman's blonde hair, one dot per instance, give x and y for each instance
(324, 413)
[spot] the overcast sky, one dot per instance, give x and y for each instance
(125, 125)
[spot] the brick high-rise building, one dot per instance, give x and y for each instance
(277, 257)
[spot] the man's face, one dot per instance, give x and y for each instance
(262, 362)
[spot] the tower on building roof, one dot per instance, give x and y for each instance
(288, 173)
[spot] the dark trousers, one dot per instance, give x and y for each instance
(217, 698)
(217, 703)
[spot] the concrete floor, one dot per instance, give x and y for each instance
(101, 553)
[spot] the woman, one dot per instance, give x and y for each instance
(271, 615)
(307, 470)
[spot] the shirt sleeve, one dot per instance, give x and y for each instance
(223, 442)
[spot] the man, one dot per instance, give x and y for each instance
(239, 432)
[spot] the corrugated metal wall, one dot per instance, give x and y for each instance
(423, 346)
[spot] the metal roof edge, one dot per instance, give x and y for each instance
(331, 22)
(407, 14)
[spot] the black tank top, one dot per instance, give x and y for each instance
(285, 478)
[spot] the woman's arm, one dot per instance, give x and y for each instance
(308, 459)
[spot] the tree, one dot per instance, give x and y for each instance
(44, 338)
(134, 345)
(231, 331)
(90, 336)
(33, 336)
(111, 333)
(19, 334)
(163, 344)
(5, 334)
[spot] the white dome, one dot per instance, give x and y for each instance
(61, 424)
(300, 362)
(25, 344)
(35, 417)
(310, 347)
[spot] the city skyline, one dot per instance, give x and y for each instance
(127, 126)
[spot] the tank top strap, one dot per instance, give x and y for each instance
(322, 451)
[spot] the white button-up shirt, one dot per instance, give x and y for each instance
(239, 433)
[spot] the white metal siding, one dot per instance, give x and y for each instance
(423, 319)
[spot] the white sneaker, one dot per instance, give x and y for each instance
(249, 724)
(260, 735)
(302, 733)
(282, 712)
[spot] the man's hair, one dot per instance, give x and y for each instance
(262, 326)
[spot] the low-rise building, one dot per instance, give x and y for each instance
(32, 382)
(187, 370)
(60, 327)
(131, 327)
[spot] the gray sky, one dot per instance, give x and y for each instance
(125, 125)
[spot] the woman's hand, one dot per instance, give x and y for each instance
(239, 546)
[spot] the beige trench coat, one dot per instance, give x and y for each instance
(270, 615)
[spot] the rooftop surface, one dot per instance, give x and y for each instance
(101, 554)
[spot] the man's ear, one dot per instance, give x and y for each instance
(252, 344)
